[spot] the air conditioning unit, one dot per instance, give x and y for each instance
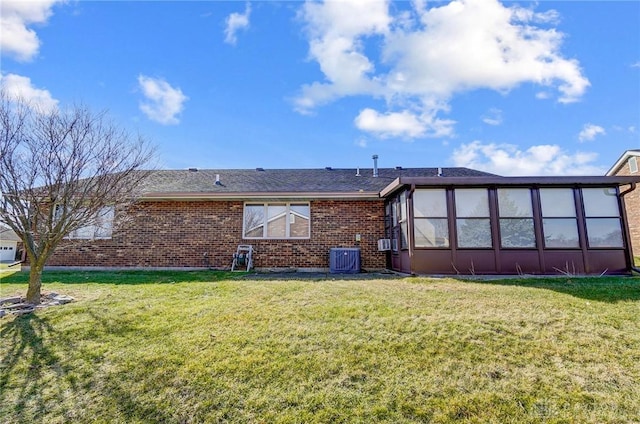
(384, 244)
(344, 260)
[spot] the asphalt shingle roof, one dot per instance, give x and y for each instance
(259, 180)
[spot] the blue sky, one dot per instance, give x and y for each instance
(515, 88)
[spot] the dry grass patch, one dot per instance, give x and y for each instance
(205, 348)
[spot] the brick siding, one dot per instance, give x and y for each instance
(632, 207)
(179, 234)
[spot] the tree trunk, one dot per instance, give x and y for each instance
(35, 283)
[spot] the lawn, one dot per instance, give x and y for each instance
(211, 347)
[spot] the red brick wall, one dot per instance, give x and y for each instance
(632, 206)
(178, 234)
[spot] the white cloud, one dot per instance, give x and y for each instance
(508, 160)
(163, 102)
(426, 56)
(19, 87)
(493, 117)
(403, 124)
(636, 64)
(18, 40)
(589, 132)
(334, 42)
(236, 22)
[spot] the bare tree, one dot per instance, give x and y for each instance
(61, 172)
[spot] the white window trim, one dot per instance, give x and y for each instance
(287, 213)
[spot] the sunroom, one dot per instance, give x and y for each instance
(508, 225)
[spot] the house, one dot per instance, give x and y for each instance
(628, 165)
(8, 245)
(412, 220)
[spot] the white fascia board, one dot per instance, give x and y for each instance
(625, 156)
(360, 195)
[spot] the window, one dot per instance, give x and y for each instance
(516, 218)
(633, 165)
(276, 220)
(602, 216)
(559, 222)
(472, 218)
(430, 223)
(402, 220)
(102, 227)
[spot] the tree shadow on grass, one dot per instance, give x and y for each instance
(602, 289)
(124, 277)
(27, 361)
(46, 376)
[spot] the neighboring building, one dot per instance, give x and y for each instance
(629, 165)
(431, 220)
(8, 245)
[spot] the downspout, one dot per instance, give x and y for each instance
(624, 211)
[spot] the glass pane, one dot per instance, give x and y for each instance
(403, 207)
(104, 223)
(604, 232)
(299, 220)
(517, 233)
(301, 210)
(276, 220)
(430, 203)
(557, 202)
(254, 221)
(403, 235)
(474, 233)
(432, 232)
(394, 213)
(514, 202)
(472, 202)
(600, 202)
(560, 232)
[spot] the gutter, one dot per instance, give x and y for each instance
(632, 187)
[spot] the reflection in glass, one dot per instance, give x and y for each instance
(560, 232)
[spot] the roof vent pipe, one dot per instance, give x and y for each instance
(357, 171)
(375, 166)
(439, 172)
(218, 179)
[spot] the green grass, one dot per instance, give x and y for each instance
(209, 347)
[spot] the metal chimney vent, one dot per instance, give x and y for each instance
(375, 166)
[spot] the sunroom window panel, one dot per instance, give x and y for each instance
(514, 202)
(431, 232)
(557, 202)
(600, 202)
(604, 232)
(517, 233)
(474, 233)
(429, 203)
(472, 212)
(560, 233)
(472, 203)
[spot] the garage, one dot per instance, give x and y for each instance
(8, 245)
